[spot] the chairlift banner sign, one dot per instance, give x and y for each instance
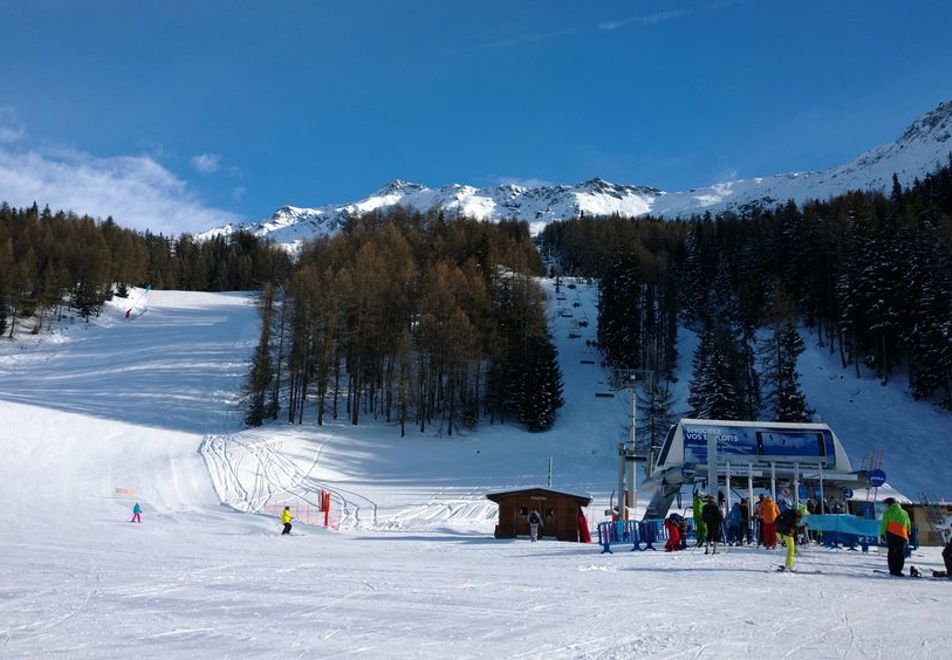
(731, 440)
(763, 443)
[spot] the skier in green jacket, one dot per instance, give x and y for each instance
(700, 528)
(895, 527)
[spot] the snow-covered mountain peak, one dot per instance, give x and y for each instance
(923, 147)
(603, 187)
(933, 126)
(398, 186)
(511, 189)
(292, 213)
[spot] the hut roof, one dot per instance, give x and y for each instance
(583, 500)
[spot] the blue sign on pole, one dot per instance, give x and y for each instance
(877, 478)
(847, 493)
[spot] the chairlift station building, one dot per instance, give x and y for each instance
(747, 455)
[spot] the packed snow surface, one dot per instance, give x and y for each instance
(145, 409)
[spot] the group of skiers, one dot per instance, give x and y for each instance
(286, 518)
(770, 522)
(708, 520)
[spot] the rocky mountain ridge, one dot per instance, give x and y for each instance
(922, 148)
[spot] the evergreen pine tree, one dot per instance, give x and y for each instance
(779, 352)
(693, 278)
(262, 370)
(735, 336)
(787, 399)
(655, 416)
(713, 389)
(930, 345)
(620, 312)
(540, 391)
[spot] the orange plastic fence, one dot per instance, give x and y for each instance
(305, 513)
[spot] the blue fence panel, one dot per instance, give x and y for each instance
(652, 531)
(617, 531)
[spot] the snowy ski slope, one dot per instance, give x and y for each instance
(118, 411)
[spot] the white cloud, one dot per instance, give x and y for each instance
(11, 130)
(525, 183)
(650, 19)
(137, 191)
(531, 38)
(728, 174)
(10, 134)
(206, 163)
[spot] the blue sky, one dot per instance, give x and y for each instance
(175, 115)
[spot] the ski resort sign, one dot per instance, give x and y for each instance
(877, 478)
(766, 443)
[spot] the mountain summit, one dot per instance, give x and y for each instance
(923, 147)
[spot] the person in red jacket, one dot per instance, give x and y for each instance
(674, 534)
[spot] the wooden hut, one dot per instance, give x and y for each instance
(919, 517)
(559, 512)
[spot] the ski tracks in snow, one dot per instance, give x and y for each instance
(442, 508)
(250, 473)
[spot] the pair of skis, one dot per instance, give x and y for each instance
(784, 569)
(913, 573)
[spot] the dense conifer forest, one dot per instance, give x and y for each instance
(56, 263)
(410, 319)
(438, 325)
(870, 274)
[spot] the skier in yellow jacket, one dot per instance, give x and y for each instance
(286, 519)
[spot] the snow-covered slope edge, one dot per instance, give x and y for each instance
(923, 147)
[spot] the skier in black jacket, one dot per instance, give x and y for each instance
(787, 523)
(947, 555)
(712, 516)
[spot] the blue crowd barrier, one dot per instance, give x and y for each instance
(839, 530)
(641, 534)
(617, 531)
(835, 531)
